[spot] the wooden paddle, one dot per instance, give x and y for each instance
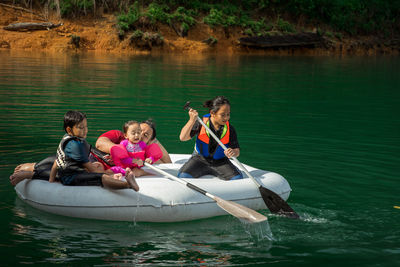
(235, 209)
(273, 201)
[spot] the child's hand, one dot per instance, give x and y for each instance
(149, 160)
(139, 162)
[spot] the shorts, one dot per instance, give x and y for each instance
(42, 169)
(83, 178)
(198, 166)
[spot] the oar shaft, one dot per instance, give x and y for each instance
(192, 186)
(235, 209)
(225, 148)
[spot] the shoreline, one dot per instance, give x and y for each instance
(100, 35)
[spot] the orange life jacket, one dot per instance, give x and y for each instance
(203, 140)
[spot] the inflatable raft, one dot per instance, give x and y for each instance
(159, 199)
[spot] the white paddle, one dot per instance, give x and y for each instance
(233, 208)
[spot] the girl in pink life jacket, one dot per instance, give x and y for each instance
(131, 152)
(209, 157)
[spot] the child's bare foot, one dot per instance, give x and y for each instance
(18, 176)
(130, 178)
(25, 167)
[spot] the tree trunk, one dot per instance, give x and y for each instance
(57, 2)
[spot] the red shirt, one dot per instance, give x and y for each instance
(115, 136)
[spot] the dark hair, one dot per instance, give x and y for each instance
(152, 125)
(216, 103)
(72, 118)
(127, 124)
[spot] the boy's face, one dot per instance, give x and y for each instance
(134, 133)
(79, 130)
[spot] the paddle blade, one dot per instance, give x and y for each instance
(276, 204)
(240, 211)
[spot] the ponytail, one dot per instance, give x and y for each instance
(216, 103)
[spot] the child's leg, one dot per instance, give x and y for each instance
(139, 172)
(130, 178)
(113, 183)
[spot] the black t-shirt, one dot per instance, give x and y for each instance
(233, 141)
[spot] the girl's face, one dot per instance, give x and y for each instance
(79, 130)
(134, 133)
(221, 116)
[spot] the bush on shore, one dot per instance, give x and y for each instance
(255, 17)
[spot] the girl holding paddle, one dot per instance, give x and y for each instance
(209, 157)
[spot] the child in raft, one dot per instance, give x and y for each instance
(209, 157)
(131, 152)
(72, 166)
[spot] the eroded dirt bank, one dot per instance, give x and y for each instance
(100, 34)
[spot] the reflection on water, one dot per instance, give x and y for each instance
(69, 239)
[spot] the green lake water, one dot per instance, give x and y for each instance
(329, 125)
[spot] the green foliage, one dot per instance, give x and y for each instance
(212, 40)
(183, 15)
(349, 16)
(339, 35)
(185, 27)
(219, 18)
(160, 13)
(125, 21)
(249, 32)
(285, 26)
(137, 34)
(215, 17)
(70, 8)
(156, 12)
(257, 28)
